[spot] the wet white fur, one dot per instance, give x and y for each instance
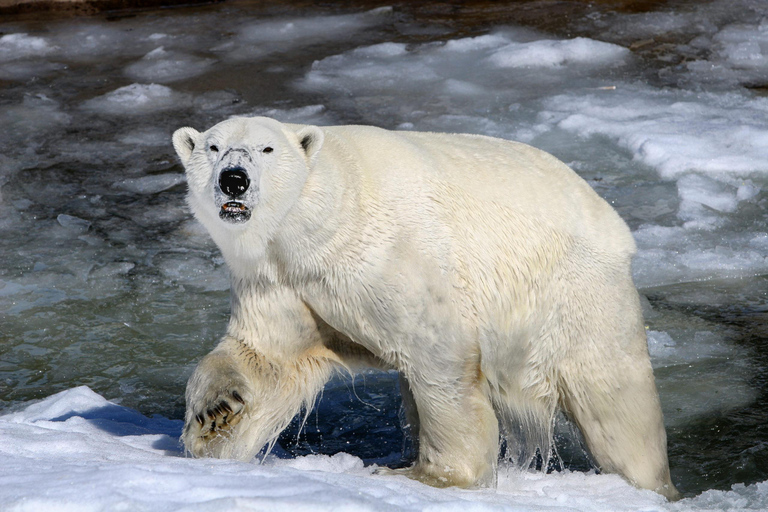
(486, 271)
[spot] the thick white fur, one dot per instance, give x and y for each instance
(486, 271)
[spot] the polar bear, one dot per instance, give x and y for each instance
(491, 276)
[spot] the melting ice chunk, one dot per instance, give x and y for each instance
(145, 137)
(703, 198)
(744, 46)
(316, 27)
(20, 46)
(672, 131)
(310, 114)
(551, 53)
(165, 66)
(149, 184)
(138, 99)
(260, 38)
(74, 224)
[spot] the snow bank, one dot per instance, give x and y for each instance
(77, 451)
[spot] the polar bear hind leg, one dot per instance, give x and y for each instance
(457, 429)
(606, 385)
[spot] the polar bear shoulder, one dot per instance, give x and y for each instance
(478, 168)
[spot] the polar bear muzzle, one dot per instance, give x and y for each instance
(234, 183)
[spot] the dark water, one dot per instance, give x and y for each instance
(724, 447)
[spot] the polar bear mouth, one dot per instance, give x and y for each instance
(234, 211)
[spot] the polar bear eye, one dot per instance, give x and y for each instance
(267, 150)
(214, 148)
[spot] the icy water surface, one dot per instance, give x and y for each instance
(106, 281)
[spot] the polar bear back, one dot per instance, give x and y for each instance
(510, 175)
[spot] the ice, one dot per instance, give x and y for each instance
(165, 66)
(721, 43)
(145, 137)
(311, 114)
(661, 345)
(376, 67)
(425, 73)
(198, 272)
(36, 114)
(26, 70)
(317, 27)
(670, 255)
(218, 102)
(744, 46)
(73, 224)
(89, 41)
(136, 99)
(22, 46)
(258, 39)
(700, 195)
(21, 57)
(150, 184)
(548, 53)
(672, 131)
(740, 55)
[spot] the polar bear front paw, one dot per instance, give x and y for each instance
(211, 424)
(221, 417)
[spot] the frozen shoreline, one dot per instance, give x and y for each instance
(77, 451)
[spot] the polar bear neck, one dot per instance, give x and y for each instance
(327, 216)
(316, 230)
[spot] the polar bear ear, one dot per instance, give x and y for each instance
(184, 140)
(311, 140)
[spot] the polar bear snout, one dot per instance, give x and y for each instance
(234, 182)
(235, 194)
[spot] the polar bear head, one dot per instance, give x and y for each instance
(245, 174)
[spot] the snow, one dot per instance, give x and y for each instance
(77, 451)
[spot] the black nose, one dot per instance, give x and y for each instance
(234, 182)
